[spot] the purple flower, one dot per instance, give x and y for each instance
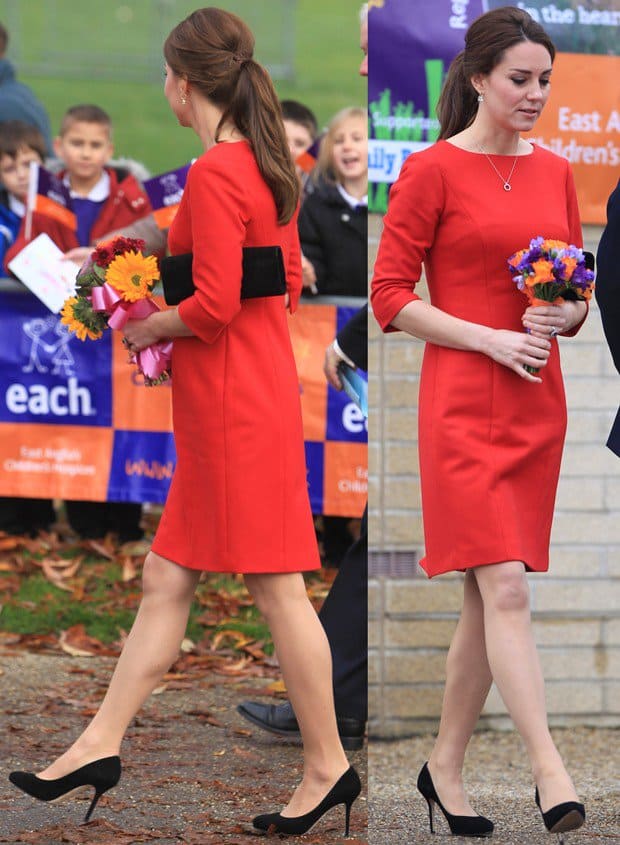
(560, 270)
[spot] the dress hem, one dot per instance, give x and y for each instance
(448, 567)
(310, 567)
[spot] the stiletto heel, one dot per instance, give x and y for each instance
(344, 791)
(101, 774)
(563, 817)
(459, 825)
(347, 817)
(430, 814)
(93, 804)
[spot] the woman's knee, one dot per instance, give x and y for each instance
(504, 587)
(272, 593)
(162, 577)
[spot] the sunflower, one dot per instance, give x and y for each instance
(79, 321)
(133, 275)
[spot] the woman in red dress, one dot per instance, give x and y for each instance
(490, 433)
(238, 501)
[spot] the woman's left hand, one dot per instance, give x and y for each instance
(550, 320)
(138, 334)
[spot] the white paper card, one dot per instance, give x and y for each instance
(40, 267)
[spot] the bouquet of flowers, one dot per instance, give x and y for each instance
(551, 271)
(114, 285)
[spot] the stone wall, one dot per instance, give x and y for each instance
(576, 606)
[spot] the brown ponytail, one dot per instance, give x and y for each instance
(213, 50)
(486, 41)
(458, 103)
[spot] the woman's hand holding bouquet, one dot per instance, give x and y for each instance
(554, 277)
(114, 290)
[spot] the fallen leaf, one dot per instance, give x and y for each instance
(76, 642)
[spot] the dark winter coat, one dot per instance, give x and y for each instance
(334, 238)
(608, 293)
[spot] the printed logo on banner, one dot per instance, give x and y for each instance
(46, 374)
(314, 463)
(142, 466)
(345, 421)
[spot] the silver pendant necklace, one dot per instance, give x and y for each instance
(505, 182)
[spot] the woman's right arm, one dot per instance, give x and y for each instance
(416, 204)
(511, 349)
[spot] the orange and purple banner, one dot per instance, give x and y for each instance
(412, 45)
(76, 422)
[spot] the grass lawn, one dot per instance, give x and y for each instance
(327, 57)
(54, 582)
(106, 606)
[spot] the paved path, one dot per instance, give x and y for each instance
(501, 788)
(194, 771)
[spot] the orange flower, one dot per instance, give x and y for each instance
(515, 260)
(132, 275)
(550, 244)
(542, 273)
(569, 265)
(75, 325)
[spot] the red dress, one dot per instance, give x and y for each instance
(239, 496)
(490, 442)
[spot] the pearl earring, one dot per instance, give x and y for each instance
(183, 100)
(481, 98)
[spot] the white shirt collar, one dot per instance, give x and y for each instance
(99, 192)
(351, 200)
(17, 206)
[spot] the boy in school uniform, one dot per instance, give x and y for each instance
(300, 126)
(20, 144)
(106, 200)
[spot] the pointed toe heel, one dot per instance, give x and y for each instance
(102, 775)
(459, 825)
(563, 817)
(344, 791)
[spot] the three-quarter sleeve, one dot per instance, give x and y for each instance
(415, 206)
(214, 195)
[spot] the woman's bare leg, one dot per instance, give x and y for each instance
(305, 661)
(515, 666)
(468, 680)
(151, 648)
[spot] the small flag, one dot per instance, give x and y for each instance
(49, 196)
(307, 159)
(165, 192)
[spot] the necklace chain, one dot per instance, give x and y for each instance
(505, 182)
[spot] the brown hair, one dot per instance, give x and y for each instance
(296, 112)
(325, 165)
(85, 114)
(15, 135)
(4, 40)
(486, 41)
(213, 50)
